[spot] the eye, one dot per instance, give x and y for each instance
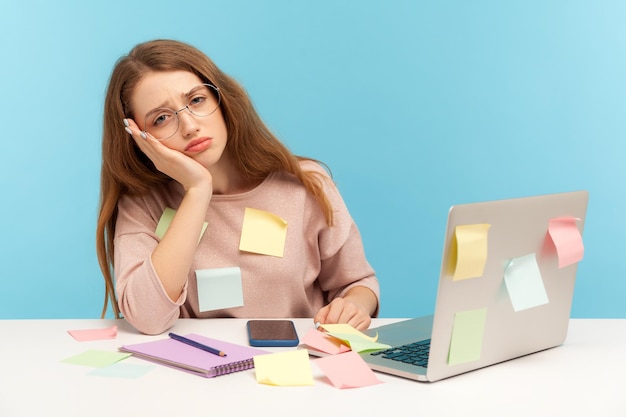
(161, 118)
(197, 100)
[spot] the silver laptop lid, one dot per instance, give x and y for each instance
(502, 293)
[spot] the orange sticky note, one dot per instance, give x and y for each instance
(347, 370)
(567, 240)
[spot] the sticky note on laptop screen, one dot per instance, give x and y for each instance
(263, 233)
(567, 240)
(524, 283)
(469, 250)
(467, 336)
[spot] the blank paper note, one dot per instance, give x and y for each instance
(263, 233)
(471, 250)
(284, 369)
(524, 283)
(467, 336)
(567, 240)
(347, 370)
(122, 370)
(166, 220)
(219, 288)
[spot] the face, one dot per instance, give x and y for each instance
(161, 97)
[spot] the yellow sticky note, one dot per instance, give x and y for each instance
(471, 250)
(263, 233)
(284, 369)
(358, 342)
(467, 336)
(166, 220)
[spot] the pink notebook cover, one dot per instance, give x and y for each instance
(179, 355)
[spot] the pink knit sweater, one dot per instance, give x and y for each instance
(319, 262)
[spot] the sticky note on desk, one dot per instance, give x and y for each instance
(323, 342)
(96, 358)
(467, 336)
(284, 369)
(524, 283)
(84, 335)
(358, 341)
(471, 250)
(263, 233)
(347, 370)
(567, 240)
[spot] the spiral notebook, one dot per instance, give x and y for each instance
(181, 356)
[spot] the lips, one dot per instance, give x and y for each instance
(198, 145)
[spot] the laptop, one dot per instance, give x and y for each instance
(505, 289)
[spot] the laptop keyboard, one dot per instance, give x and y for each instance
(413, 353)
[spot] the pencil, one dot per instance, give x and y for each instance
(196, 344)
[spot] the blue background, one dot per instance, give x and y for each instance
(414, 105)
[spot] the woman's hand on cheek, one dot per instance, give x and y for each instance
(178, 166)
(342, 310)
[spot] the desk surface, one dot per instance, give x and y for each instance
(583, 377)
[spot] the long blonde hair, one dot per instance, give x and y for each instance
(254, 150)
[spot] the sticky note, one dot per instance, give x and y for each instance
(96, 358)
(283, 369)
(323, 342)
(471, 250)
(467, 336)
(166, 220)
(263, 233)
(122, 370)
(567, 240)
(358, 341)
(524, 283)
(219, 288)
(347, 370)
(84, 335)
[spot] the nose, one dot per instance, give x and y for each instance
(187, 122)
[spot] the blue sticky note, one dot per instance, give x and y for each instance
(219, 288)
(524, 283)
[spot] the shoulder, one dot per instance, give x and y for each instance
(311, 165)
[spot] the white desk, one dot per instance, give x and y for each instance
(584, 377)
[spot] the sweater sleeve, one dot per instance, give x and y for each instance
(343, 261)
(141, 296)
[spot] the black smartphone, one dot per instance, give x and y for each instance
(271, 333)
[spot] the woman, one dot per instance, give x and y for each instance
(189, 171)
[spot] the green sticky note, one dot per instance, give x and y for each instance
(166, 220)
(467, 336)
(96, 358)
(122, 370)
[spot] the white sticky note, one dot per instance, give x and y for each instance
(219, 288)
(524, 283)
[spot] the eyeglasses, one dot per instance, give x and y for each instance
(202, 101)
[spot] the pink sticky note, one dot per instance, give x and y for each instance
(567, 240)
(86, 335)
(324, 343)
(347, 370)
